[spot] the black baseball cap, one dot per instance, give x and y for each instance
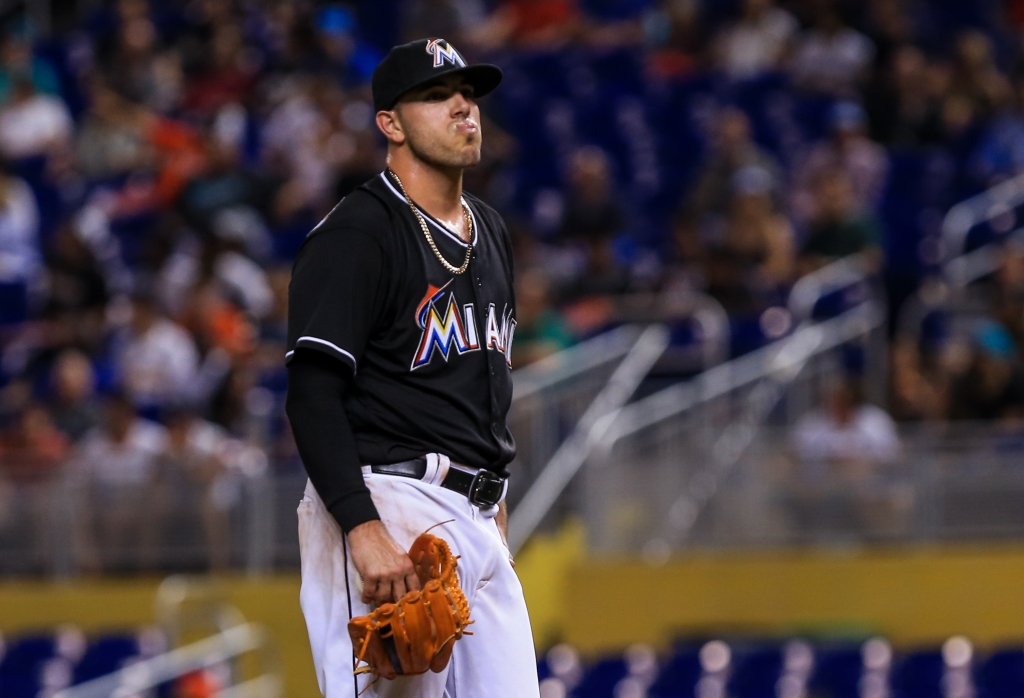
(408, 66)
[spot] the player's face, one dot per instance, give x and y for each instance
(441, 122)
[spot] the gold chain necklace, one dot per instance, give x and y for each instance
(430, 239)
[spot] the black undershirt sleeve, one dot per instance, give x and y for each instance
(317, 384)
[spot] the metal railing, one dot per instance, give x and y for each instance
(689, 438)
(952, 484)
(712, 419)
(551, 396)
(218, 654)
(767, 371)
(546, 489)
(1000, 200)
(950, 291)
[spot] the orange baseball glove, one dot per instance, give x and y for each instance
(419, 632)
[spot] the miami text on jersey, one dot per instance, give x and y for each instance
(458, 329)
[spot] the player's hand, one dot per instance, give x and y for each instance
(386, 568)
(501, 521)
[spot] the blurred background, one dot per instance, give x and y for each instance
(768, 363)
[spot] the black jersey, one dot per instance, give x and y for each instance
(429, 350)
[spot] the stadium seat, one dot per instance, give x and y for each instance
(679, 676)
(105, 655)
(918, 675)
(756, 672)
(1002, 675)
(600, 680)
(837, 671)
(22, 663)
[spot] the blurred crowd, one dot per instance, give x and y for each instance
(163, 161)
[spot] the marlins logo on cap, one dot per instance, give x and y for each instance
(404, 69)
(442, 51)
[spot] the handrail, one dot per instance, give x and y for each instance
(568, 363)
(975, 264)
(205, 653)
(616, 343)
(982, 207)
(780, 364)
(743, 371)
(812, 287)
(567, 460)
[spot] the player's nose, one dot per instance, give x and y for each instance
(461, 105)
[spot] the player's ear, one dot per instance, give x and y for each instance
(391, 126)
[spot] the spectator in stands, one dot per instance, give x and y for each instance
(194, 482)
(837, 229)
(453, 20)
(74, 410)
(1000, 151)
(976, 77)
(540, 328)
(33, 449)
(32, 455)
(135, 65)
(757, 42)
(733, 149)
(992, 387)
(225, 72)
(754, 234)
(904, 101)
(112, 139)
(17, 60)
(226, 185)
(832, 58)
(157, 359)
(848, 430)
(77, 294)
(683, 40)
(117, 464)
(845, 449)
(33, 124)
(865, 162)
(591, 220)
(920, 382)
(21, 260)
(529, 24)
(591, 208)
(1007, 290)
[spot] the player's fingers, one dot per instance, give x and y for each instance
(383, 593)
(398, 589)
(412, 582)
(369, 589)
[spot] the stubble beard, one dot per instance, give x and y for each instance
(441, 155)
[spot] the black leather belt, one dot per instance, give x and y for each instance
(483, 489)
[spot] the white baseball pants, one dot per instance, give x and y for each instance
(496, 661)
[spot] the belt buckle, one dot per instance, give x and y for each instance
(487, 489)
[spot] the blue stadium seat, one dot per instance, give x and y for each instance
(918, 675)
(600, 679)
(679, 676)
(837, 672)
(756, 672)
(105, 655)
(19, 685)
(1002, 675)
(20, 666)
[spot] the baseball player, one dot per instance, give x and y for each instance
(401, 321)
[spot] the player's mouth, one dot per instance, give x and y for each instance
(466, 126)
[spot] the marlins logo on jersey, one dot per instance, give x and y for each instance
(458, 329)
(442, 51)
